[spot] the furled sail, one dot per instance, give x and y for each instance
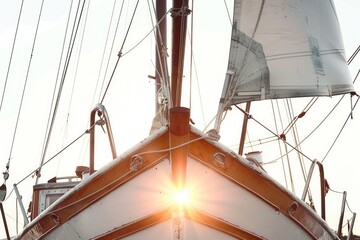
(285, 48)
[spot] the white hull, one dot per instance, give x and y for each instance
(228, 199)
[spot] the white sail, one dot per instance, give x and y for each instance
(296, 46)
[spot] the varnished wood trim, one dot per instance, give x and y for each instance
(220, 225)
(137, 226)
(179, 136)
(166, 214)
(39, 230)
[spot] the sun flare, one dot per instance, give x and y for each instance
(182, 197)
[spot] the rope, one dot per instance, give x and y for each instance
(338, 192)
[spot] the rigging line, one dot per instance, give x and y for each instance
(11, 55)
(335, 191)
(347, 204)
(56, 82)
(342, 128)
(107, 186)
(72, 40)
(162, 84)
(54, 156)
(159, 53)
(279, 144)
(25, 83)
(302, 114)
(322, 121)
(74, 79)
(353, 55)
(66, 65)
(289, 168)
(120, 53)
(290, 172)
(198, 88)
(295, 134)
(266, 128)
(77, 63)
(178, 146)
(262, 141)
(137, 44)
(112, 46)
(191, 54)
(227, 11)
(104, 51)
(297, 140)
(357, 74)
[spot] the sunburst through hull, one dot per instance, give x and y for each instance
(136, 196)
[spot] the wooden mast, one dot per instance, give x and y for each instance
(179, 116)
(179, 14)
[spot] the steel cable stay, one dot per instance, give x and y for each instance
(268, 129)
(353, 55)
(112, 46)
(323, 120)
(52, 158)
(35, 172)
(105, 47)
(6, 173)
(11, 55)
(295, 135)
(279, 144)
(194, 66)
(120, 53)
(342, 128)
(191, 55)
(75, 73)
(102, 57)
(66, 65)
(47, 131)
